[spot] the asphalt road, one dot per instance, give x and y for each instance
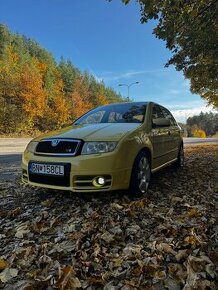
(200, 140)
(10, 168)
(11, 154)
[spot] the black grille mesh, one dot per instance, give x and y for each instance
(63, 147)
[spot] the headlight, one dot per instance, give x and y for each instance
(31, 147)
(98, 147)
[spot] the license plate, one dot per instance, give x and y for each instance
(47, 169)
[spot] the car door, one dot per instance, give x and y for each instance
(160, 139)
(173, 135)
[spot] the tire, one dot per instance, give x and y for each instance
(181, 158)
(141, 175)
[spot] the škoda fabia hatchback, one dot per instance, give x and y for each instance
(112, 147)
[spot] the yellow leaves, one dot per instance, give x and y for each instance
(3, 264)
(9, 74)
(117, 262)
(191, 240)
(101, 100)
(80, 98)
(64, 277)
(33, 95)
(42, 67)
(193, 213)
(37, 90)
(134, 207)
(199, 133)
(61, 109)
(139, 204)
(67, 280)
(9, 55)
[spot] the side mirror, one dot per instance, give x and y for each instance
(161, 122)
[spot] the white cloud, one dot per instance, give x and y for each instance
(111, 76)
(182, 114)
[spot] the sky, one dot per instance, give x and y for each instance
(107, 40)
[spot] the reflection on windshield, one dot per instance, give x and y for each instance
(117, 113)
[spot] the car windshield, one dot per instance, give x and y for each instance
(115, 113)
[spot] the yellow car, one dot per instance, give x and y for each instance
(112, 147)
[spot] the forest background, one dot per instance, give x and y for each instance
(37, 94)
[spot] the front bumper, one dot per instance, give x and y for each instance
(83, 170)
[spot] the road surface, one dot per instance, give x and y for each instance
(11, 150)
(191, 140)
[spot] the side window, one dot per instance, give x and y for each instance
(169, 116)
(157, 113)
(114, 117)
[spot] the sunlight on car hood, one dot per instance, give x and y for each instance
(94, 132)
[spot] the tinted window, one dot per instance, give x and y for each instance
(157, 112)
(169, 116)
(117, 113)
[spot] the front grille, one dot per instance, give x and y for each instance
(52, 180)
(58, 147)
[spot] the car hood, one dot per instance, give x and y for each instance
(93, 132)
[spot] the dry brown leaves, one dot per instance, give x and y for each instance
(166, 240)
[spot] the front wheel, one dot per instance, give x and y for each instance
(141, 175)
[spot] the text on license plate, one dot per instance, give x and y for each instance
(49, 169)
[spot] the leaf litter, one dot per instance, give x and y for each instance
(167, 239)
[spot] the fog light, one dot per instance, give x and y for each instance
(101, 180)
(98, 181)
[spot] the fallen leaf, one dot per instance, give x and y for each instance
(64, 278)
(21, 230)
(182, 254)
(3, 264)
(8, 274)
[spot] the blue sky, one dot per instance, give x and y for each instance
(108, 40)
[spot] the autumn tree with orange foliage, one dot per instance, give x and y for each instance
(32, 96)
(10, 116)
(36, 94)
(57, 110)
(80, 99)
(9, 73)
(199, 133)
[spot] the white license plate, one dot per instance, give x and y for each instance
(47, 169)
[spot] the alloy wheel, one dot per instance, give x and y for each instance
(144, 174)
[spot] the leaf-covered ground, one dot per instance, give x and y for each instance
(165, 240)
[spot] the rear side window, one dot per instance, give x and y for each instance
(157, 112)
(169, 116)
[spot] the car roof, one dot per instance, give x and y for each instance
(124, 103)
